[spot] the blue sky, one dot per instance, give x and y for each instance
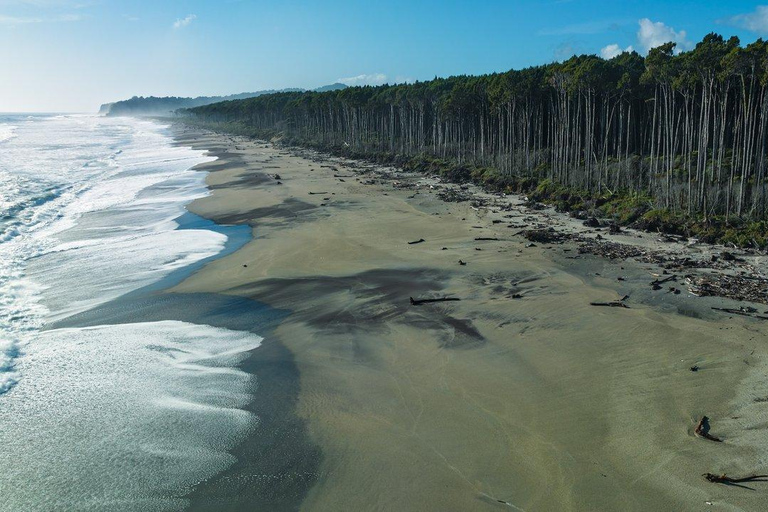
(72, 55)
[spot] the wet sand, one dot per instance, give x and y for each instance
(541, 402)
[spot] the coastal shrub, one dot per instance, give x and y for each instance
(626, 208)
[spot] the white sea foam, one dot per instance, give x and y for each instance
(7, 131)
(87, 209)
(122, 417)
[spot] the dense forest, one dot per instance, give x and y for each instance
(685, 131)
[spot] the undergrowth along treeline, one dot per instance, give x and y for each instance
(676, 141)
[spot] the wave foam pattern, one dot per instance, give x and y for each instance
(123, 417)
(86, 214)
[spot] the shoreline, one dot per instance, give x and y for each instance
(491, 401)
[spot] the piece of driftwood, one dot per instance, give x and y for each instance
(462, 263)
(612, 304)
(486, 238)
(725, 479)
(416, 302)
(317, 193)
(702, 430)
(420, 240)
(665, 280)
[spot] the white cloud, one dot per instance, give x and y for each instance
(614, 50)
(183, 22)
(756, 21)
(653, 34)
(373, 79)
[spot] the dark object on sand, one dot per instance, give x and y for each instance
(702, 430)
(665, 280)
(592, 222)
(695, 368)
(420, 240)
(545, 236)
(417, 302)
(279, 182)
(462, 263)
(486, 239)
(727, 256)
(612, 304)
(244, 265)
(277, 177)
(318, 193)
(725, 479)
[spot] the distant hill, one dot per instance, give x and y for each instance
(166, 105)
(333, 87)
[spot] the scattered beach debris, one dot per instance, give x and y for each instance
(545, 236)
(420, 240)
(753, 288)
(695, 368)
(702, 430)
(462, 263)
(417, 302)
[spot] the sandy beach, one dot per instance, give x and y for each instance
(519, 396)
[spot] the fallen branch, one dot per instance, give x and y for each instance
(416, 302)
(659, 282)
(420, 240)
(485, 238)
(725, 479)
(317, 193)
(702, 430)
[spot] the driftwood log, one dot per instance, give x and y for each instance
(420, 240)
(417, 302)
(612, 304)
(725, 479)
(702, 430)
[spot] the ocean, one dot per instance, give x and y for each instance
(127, 416)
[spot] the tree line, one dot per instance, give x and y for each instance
(687, 129)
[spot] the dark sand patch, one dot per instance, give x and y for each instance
(368, 302)
(290, 209)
